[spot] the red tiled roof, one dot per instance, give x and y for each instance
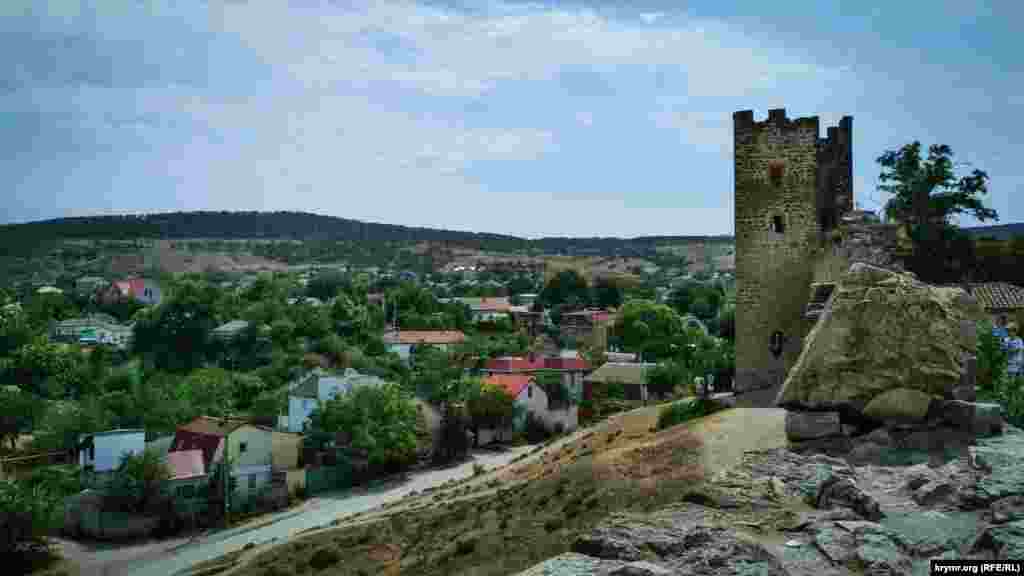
(424, 337)
(185, 464)
(998, 295)
(518, 364)
(514, 384)
(185, 440)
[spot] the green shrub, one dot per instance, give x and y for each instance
(465, 546)
(324, 558)
(1010, 394)
(685, 410)
(992, 358)
(478, 469)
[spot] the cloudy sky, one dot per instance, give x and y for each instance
(584, 118)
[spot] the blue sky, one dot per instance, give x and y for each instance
(578, 119)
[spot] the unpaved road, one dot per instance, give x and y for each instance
(170, 557)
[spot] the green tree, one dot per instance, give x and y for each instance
(926, 195)
(27, 515)
(15, 331)
(490, 406)
(18, 412)
(565, 288)
(208, 391)
(139, 478)
(649, 329)
(174, 336)
(381, 421)
(63, 422)
(607, 293)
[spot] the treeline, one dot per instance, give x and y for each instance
(307, 227)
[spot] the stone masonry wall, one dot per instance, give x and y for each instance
(779, 179)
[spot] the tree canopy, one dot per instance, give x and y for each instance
(926, 195)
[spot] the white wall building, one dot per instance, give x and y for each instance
(304, 394)
(102, 451)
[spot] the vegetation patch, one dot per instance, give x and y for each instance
(686, 410)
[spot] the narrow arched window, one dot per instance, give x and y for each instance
(775, 343)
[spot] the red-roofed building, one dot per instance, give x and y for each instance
(573, 370)
(141, 290)
(516, 376)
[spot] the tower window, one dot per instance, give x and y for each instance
(775, 173)
(778, 225)
(775, 343)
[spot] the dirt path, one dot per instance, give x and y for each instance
(728, 434)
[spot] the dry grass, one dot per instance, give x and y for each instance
(533, 513)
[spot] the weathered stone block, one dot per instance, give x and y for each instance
(899, 404)
(801, 426)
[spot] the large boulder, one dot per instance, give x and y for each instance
(884, 330)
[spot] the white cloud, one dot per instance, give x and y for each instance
(585, 118)
(651, 17)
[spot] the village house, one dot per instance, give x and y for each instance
(89, 285)
(485, 309)
(572, 369)
(248, 447)
(581, 324)
(403, 342)
(100, 453)
(93, 329)
(305, 393)
(230, 330)
(142, 290)
(528, 320)
(530, 398)
(632, 376)
(999, 299)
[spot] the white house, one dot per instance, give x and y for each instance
(93, 329)
(304, 394)
(102, 451)
(532, 399)
(248, 447)
(402, 342)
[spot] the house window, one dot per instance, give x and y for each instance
(242, 447)
(778, 224)
(529, 391)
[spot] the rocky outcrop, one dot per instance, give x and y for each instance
(883, 331)
(781, 512)
(889, 369)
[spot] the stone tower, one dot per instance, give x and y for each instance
(792, 189)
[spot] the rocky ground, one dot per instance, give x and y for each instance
(785, 513)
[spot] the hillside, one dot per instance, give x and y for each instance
(308, 227)
(999, 232)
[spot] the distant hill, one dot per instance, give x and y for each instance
(301, 226)
(999, 232)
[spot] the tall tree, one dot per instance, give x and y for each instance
(567, 288)
(926, 195)
(174, 335)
